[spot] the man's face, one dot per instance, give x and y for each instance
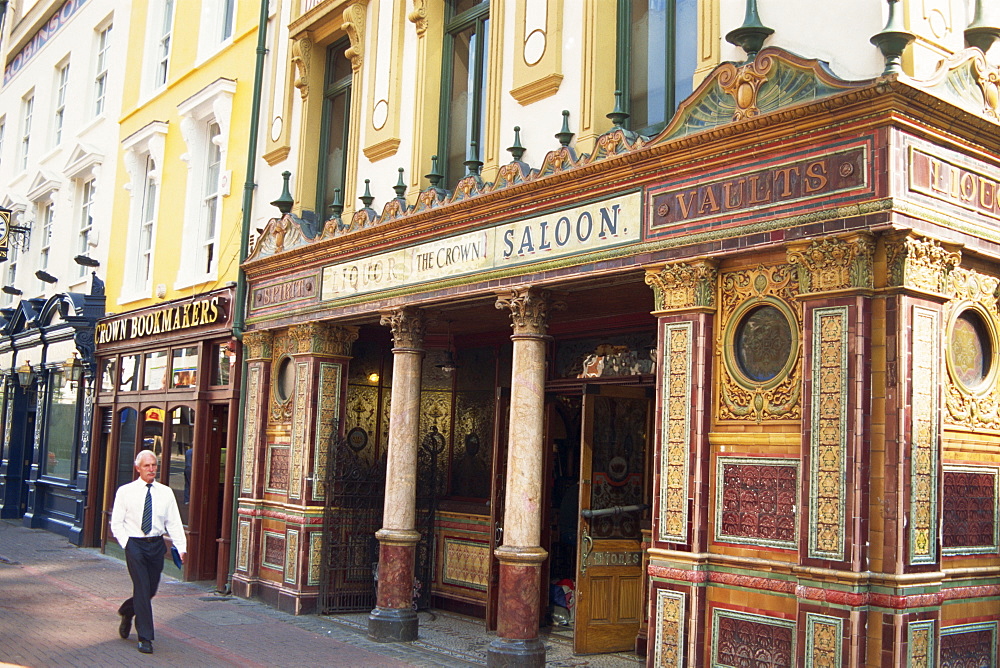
(147, 469)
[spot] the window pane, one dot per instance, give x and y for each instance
(152, 431)
(154, 375)
(181, 443)
(647, 84)
(223, 361)
(336, 152)
(127, 420)
(685, 49)
(460, 106)
(107, 375)
(61, 426)
(129, 379)
(184, 368)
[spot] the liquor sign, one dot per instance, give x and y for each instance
(4, 233)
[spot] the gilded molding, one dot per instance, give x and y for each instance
(407, 325)
(684, 284)
(301, 57)
(743, 84)
(321, 338)
(923, 264)
(834, 264)
(258, 345)
(354, 26)
(529, 309)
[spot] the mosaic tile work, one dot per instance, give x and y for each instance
(676, 429)
(824, 634)
(920, 644)
(277, 469)
(243, 547)
(299, 431)
(744, 639)
(969, 510)
(327, 420)
(668, 649)
(466, 563)
(274, 550)
(828, 441)
(969, 645)
(315, 557)
(250, 427)
(755, 501)
(291, 556)
(925, 357)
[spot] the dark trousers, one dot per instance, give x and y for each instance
(145, 563)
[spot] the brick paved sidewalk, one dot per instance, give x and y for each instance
(58, 607)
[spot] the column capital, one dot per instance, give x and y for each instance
(683, 285)
(257, 345)
(529, 309)
(834, 263)
(407, 325)
(321, 338)
(920, 263)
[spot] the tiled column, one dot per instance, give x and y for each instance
(393, 618)
(685, 307)
(836, 285)
(906, 462)
(521, 554)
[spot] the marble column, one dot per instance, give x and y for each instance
(393, 618)
(521, 554)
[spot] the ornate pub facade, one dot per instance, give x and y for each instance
(715, 390)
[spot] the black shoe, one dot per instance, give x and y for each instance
(125, 627)
(146, 647)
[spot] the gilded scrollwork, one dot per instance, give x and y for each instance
(834, 264)
(354, 26)
(284, 343)
(973, 407)
(923, 264)
(257, 344)
(301, 55)
(988, 78)
(418, 16)
(743, 84)
(684, 285)
(741, 293)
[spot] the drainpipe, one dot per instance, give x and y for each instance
(239, 315)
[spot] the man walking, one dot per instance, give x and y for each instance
(144, 511)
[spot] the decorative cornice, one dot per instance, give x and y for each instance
(407, 325)
(258, 345)
(919, 263)
(684, 285)
(529, 309)
(834, 263)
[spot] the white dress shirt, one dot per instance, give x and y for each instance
(126, 515)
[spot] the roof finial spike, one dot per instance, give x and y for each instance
(434, 176)
(985, 27)
(367, 198)
(285, 201)
(618, 116)
(565, 136)
(400, 187)
(473, 164)
(337, 206)
(892, 41)
(751, 35)
(517, 151)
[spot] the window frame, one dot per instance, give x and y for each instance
(332, 90)
(164, 36)
(27, 112)
(59, 113)
(88, 190)
(101, 65)
(477, 17)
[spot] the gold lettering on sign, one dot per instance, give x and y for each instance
(956, 184)
(195, 314)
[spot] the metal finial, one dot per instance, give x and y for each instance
(985, 27)
(337, 206)
(751, 35)
(284, 201)
(473, 164)
(892, 41)
(565, 136)
(618, 116)
(367, 198)
(434, 176)
(517, 150)
(400, 187)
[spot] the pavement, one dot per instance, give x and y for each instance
(58, 607)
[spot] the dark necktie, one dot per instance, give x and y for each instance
(147, 510)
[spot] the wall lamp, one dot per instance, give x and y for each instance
(45, 276)
(24, 374)
(73, 368)
(86, 261)
(10, 290)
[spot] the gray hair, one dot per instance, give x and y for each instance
(142, 453)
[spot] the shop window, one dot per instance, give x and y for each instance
(179, 457)
(128, 379)
(108, 375)
(184, 368)
(60, 426)
(657, 55)
(335, 127)
(284, 380)
(152, 431)
(154, 370)
(223, 362)
(128, 418)
(463, 85)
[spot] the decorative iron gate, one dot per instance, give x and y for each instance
(354, 495)
(430, 483)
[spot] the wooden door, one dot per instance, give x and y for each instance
(613, 502)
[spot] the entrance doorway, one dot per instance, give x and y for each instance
(601, 502)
